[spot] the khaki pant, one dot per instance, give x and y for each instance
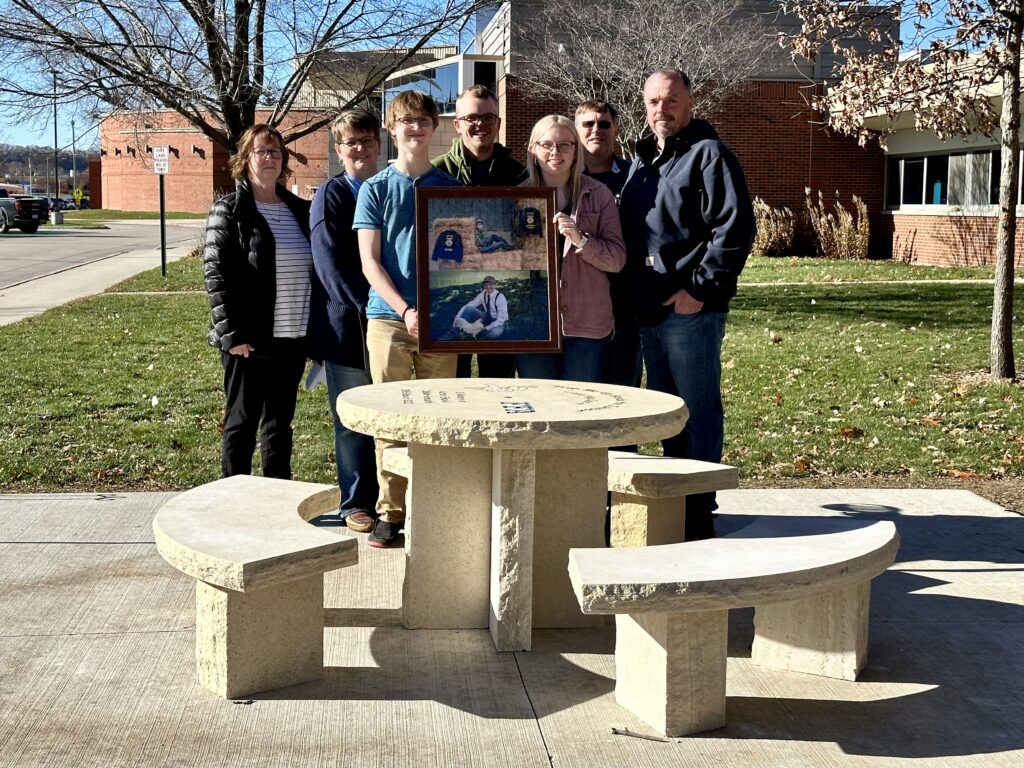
(393, 357)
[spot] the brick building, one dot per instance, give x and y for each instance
(780, 142)
(198, 167)
(778, 139)
(942, 197)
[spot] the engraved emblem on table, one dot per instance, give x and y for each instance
(515, 408)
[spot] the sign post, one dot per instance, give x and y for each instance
(161, 164)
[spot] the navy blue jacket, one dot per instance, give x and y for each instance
(687, 221)
(337, 322)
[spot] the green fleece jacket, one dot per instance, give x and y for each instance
(505, 170)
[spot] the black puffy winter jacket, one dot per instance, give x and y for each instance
(239, 267)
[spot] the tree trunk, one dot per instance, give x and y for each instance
(1001, 347)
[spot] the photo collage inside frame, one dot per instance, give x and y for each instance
(485, 269)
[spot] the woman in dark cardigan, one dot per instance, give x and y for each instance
(257, 264)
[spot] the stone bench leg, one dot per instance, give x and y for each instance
(670, 669)
(256, 641)
(824, 635)
(638, 521)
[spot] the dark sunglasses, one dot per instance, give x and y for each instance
(604, 125)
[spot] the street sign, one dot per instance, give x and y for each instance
(79, 193)
(161, 159)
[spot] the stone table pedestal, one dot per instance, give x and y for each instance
(506, 477)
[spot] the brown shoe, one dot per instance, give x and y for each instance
(361, 522)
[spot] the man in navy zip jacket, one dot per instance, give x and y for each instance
(337, 305)
(688, 224)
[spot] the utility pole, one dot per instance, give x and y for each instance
(74, 161)
(56, 167)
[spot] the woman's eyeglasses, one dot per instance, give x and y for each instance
(561, 147)
(359, 143)
(263, 154)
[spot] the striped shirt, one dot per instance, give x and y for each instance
(294, 263)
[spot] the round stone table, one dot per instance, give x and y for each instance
(505, 476)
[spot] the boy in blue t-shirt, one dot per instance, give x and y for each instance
(385, 221)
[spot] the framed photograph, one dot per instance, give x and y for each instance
(487, 279)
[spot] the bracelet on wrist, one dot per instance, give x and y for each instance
(407, 308)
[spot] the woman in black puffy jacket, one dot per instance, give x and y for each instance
(257, 264)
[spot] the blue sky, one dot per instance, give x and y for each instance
(14, 131)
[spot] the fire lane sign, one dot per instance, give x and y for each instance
(161, 159)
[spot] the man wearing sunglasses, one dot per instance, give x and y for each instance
(478, 160)
(597, 123)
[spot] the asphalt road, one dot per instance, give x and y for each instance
(24, 258)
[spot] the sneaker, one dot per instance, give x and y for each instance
(360, 522)
(384, 534)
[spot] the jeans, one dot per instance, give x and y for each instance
(353, 452)
(580, 360)
(491, 243)
(492, 365)
(261, 391)
(624, 364)
(683, 355)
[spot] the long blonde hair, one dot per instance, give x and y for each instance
(536, 178)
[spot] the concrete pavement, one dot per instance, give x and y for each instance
(34, 297)
(97, 665)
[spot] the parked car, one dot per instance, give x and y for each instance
(68, 203)
(22, 211)
(61, 204)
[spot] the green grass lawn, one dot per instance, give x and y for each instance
(806, 269)
(105, 214)
(187, 274)
(866, 380)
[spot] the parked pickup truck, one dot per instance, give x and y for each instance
(25, 212)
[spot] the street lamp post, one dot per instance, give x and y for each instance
(56, 217)
(74, 161)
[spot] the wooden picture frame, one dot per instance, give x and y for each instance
(467, 234)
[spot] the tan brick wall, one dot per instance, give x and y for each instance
(198, 167)
(947, 241)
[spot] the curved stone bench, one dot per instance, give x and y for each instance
(259, 568)
(808, 578)
(649, 495)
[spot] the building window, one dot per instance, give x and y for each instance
(936, 179)
(485, 73)
(913, 180)
(892, 182)
(995, 173)
(441, 83)
(961, 179)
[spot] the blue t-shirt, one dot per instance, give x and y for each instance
(387, 202)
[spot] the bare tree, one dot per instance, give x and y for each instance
(582, 51)
(212, 61)
(968, 58)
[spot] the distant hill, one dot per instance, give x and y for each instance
(19, 164)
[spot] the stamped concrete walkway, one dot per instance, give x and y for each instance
(97, 667)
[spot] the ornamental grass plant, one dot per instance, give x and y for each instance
(838, 234)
